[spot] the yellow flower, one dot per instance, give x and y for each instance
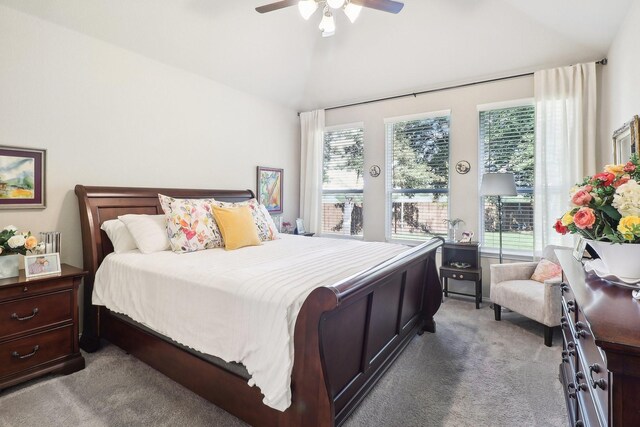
(567, 219)
(30, 243)
(615, 169)
(627, 225)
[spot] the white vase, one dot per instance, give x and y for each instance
(9, 266)
(621, 259)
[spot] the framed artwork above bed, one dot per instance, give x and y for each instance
(269, 189)
(22, 173)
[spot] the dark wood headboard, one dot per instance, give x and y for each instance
(99, 204)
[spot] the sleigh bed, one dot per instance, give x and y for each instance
(346, 335)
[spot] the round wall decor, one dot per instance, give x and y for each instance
(374, 171)
(463, 167)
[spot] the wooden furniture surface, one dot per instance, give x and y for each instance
(39, 326)
(346, 336)
(467, 253)
(600, 368)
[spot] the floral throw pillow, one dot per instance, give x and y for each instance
(546, 270)
(265, 230)
(190, 224)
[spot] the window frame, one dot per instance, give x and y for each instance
(333, 128)
(514, 254)
(389, 191)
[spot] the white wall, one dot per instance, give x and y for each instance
(463, 103)
(620, 88)
(111, 117)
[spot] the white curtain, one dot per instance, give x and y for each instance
(311, 150)
(565, 144)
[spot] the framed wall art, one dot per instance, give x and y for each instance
(22, 178)
(270, 188)
(625, 141)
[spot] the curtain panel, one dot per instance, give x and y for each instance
(311, 150)
(565, 144)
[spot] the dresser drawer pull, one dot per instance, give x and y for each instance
(26, 356)
(571, 305)
(581, 334)
(565, 356)
(596, 383)
(31, 316)
(571, 394)
(579, 423)
(564, 287)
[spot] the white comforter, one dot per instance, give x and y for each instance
(238, 305)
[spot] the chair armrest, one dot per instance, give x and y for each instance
(553, 282)
(513, 271)
(552, 302)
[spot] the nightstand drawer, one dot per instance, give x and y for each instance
(27, 314)
(35, 287)
(459, 274)
(23, 353)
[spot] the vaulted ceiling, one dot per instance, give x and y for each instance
(281, 57)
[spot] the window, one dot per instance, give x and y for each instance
(342, 181)
(417, 176)
(507, 138)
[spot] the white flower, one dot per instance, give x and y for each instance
(11, 228)
(627, 199)
(16, 241)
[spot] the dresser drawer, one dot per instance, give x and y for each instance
(26, 314)
(24, 353)
(35, 287)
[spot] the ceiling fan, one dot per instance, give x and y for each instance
(327, 25)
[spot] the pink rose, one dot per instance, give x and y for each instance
(629, 167)
(584, 218)
(581, 198)
(604, 179)
(623, 179)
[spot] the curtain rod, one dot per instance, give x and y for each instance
(603, 61)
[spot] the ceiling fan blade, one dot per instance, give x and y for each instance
(383, 5)
(275, 6)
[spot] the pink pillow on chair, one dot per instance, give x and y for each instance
(546, 270)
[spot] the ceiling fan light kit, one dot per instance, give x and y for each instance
(351, 9)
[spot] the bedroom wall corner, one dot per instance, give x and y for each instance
(620, 91)
(107, 116)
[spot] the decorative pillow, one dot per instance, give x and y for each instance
(264, 230)
(546, 270)
(270, 223)
(190, 224)
(237, 226)
(148, 231)
(119, 235)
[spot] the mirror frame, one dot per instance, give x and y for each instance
(631, 129)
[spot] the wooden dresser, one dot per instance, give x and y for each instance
(600, 368)
(39, 326)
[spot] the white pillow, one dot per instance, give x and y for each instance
(119, 235)
(148, 231)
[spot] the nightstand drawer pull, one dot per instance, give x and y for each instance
(33, 314)
(26, 356)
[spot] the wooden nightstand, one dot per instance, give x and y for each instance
(39, 326)
(467, 253)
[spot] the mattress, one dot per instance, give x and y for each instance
(240, 306)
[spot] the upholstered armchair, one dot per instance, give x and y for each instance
(512, 288)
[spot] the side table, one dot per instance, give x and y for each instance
(454, 255)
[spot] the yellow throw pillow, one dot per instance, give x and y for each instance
(237, 227)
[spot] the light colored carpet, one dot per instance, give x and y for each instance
(473, 372)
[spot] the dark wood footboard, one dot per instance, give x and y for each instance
(346, 335)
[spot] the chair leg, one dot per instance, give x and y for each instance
(497, 310)
(548, 335)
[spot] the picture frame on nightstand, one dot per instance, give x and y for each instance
(41, 265)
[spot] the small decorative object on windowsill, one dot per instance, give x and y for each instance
(606, 212)
(452, 224)
(12, 245)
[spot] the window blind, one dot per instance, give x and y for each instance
(507, 143)
(417, 177)
(343, 181)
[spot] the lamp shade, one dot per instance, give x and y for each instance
(498, 184)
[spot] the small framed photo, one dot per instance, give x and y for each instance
(41, 265)
(578, 251)
(300, 226)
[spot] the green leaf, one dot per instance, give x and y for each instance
(611, 212)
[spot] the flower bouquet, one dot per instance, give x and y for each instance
(605, 209)
(12, 242)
